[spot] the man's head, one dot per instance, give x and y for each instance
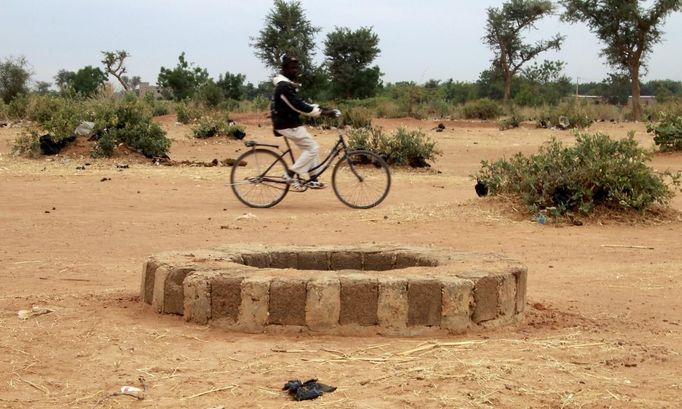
(290, 67)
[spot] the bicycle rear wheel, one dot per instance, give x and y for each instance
(257, 178)
(361, 179)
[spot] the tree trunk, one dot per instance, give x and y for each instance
(507, 86)
(634, 80)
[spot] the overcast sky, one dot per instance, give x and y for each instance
(419, 39)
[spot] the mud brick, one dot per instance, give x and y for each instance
(174, 297)
(323, 304)
(287, 302)
(314, 260)
(392, 305)
(147, 285)
(457, 301)
(284, 260)
(226, 295)
(359, 301)
(424, 298)
(507, 296)
(405, 260)
(521, 283)
(485, 299)
(159, 292)
(255, 300)
(259, 260)
(197, 300)
(377, 261)
(351, 260)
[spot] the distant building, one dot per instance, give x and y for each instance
(144, 88)
(595, 99)
(644, 100)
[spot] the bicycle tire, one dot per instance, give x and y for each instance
(361, 179)
(251, 185)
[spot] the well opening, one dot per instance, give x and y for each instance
(338, 260)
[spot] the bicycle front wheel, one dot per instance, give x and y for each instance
(361, 179)
(257, 178)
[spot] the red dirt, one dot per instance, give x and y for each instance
(604, 317)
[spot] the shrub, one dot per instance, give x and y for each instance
(569, 114)
(358, 117)
(210, 126)
(667, 132)
(187, 114)
(130, 123)
(402, 148)
(512, 121)
(18, 107)
(4, 115)
(597, 171)
(28, 143)
(482, 109)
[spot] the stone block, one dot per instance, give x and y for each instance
(507, 296)
(255, 300)
(404, 260)
(174, 297)
(377, 261)
(258, 260)
(457, 302)
(485, 299)
(283, 259)
(359, 300)
(521, 283)
(424, 298)
(287, 302)
(159, 292)
(313, 260)
(226, 293)
(147, 284)
(197, 300)
(392, 304)
(351, 260)
(323, 302)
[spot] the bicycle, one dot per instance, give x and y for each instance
(361, 179)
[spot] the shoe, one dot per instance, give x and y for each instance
(316, 184)
(292, 181)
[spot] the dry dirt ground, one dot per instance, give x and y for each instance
(604, 315)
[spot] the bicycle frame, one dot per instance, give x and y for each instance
(324, 165)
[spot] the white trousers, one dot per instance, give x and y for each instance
(309, 157)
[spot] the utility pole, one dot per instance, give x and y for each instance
(577, 83)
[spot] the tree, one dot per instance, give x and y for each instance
(232, 85)
(14, 76)
(114, 64)
(349, 54)
(43, 87)
(503, 34)
(85, 82)
(288, 31)
(628, 31)
(182, 81)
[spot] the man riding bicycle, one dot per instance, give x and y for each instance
(286, 110)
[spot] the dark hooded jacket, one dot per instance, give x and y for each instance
(287, 107)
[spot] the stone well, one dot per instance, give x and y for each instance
(342, 290)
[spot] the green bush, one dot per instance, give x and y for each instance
(402, 148)
(512, 121)
(18, 107)
(187, 114)
(217, 125)
(28, 143)
(566, 115)
(4, 115)
(667, 132)
(130, 123)
(597, 171)
(482, 109)
(359, 117)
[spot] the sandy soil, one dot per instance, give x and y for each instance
(603, 328)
